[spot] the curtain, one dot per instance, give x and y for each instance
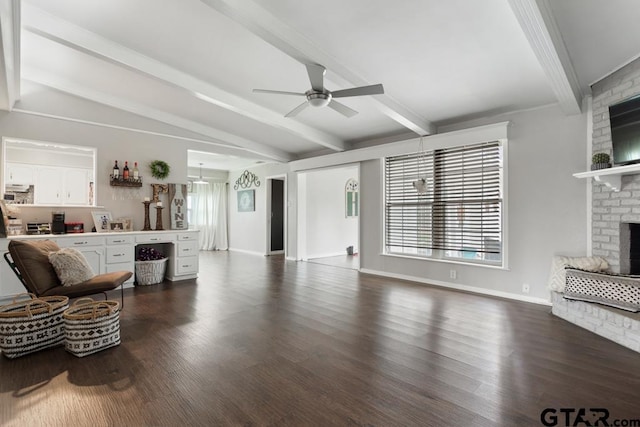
(209, 215)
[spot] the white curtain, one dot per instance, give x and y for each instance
(209, 215)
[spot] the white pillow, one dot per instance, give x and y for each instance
(70, 266)
(558, 275)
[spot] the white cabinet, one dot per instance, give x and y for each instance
(120, 255)
(18, 174)
(109, 252)
(61, 186)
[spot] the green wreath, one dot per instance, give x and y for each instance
(159, 169)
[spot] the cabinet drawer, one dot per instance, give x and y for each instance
(123, 266)
(155, 238)
(188, 248)
(187, 236)
(116, 254)
(119, 240)
(187, 265)
(75, 242)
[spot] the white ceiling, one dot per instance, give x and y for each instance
(189, 66)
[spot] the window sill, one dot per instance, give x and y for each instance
(448, 261)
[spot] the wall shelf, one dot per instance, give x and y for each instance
(121, 182)
(611, 177)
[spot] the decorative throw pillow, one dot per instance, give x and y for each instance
(558, 276)
(70, 266)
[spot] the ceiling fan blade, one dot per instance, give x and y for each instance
(316, 76)
(278, 92)
(342, 109)
(358, 91)
(297, 110)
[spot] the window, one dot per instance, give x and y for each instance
(459, 216)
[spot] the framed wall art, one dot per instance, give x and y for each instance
(246, 201)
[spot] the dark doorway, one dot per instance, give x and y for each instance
(277, 215)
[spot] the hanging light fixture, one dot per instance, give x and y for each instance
(420, 184)
(200, 180)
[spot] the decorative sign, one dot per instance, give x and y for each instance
(178, 206)
(157, 189)
(246, 180)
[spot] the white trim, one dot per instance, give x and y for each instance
(486, 133)
(472, 289)
(589, 187)
(326, 255)
(10, 50)
(244, 251)
(290, 258)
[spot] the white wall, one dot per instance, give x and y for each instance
(545, 205)
(248, 230)
(328, 231)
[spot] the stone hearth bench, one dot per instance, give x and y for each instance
(581, 304)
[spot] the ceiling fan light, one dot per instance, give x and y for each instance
(319, 99)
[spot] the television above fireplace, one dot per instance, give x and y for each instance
(624, 118)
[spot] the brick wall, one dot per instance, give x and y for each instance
(611, 208)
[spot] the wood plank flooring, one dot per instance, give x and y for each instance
(263, 341)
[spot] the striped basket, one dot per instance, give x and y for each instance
(31, 325)
(91, 326)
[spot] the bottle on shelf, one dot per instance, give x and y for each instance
(136, 173)
(125, 171)
(116, 170)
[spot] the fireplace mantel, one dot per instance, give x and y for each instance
(611, 177)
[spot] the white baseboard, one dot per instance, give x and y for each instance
(244, 251)
(291, 258)
(459, 287)
(326, 255)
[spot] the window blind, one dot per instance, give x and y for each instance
(460, 215)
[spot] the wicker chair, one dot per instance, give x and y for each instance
(29, 260)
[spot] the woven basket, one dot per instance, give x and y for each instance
(31, 325)
(91, 326)
(150, 272)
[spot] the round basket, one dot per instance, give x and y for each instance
(150, 272)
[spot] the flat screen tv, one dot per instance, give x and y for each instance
(625, 131)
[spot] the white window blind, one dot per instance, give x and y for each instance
(459, 216)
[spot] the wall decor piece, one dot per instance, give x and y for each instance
(157, 190)
(159, 169)
(246, 200)
(101, 220)
(116, 225)
(246, 180)
(127, 223)
(178, 206)
(351, 190)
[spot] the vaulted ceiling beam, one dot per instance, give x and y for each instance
(9, 53)
(77, 38)
(275, 32)
(541, 29)
(63, 85)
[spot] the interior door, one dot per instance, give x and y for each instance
(277, 215)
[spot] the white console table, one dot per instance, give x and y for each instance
(107, 252)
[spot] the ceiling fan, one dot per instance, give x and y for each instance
(319, 96)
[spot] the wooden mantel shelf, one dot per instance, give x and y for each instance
(611, 177)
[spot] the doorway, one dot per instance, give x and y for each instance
(276, 216)
(328, 216)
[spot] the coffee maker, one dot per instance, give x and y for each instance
(57, 223)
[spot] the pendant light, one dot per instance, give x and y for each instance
(200, 180)
(420, 184)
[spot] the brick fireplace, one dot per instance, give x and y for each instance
(611, 210)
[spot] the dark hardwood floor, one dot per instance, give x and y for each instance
(263, 341)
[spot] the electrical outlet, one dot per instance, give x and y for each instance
(525, 288)
(452, 274)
